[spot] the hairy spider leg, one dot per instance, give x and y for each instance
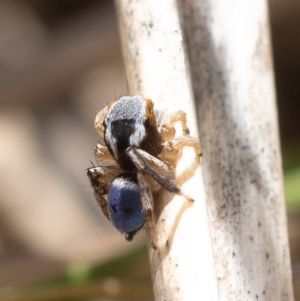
(100, 179)
(167, 127)
(102, 153)
(171, 148)
(142, 163)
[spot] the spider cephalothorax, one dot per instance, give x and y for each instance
(131, 121)
(144, 149)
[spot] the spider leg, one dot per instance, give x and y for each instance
(167, 127)
(146, 195)
(170, 149)
(100, 179)
(147, 200)
(98, 124)
(155, 168)
(102, 153)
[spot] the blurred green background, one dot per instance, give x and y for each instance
(60, 62)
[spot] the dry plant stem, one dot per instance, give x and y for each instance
(180, 248)
(229, 47)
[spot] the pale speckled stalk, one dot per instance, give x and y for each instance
(232, 74)
(156, 67)
(239, 249)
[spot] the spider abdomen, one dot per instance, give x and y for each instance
(124, 204)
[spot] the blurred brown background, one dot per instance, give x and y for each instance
(60, 62)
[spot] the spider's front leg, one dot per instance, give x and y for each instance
(102, 153)
(100, 179)
(155, 168)
(146, 197)
(98, 124)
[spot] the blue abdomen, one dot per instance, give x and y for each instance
(124, 203)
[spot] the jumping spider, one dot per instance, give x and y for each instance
(143, 144)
